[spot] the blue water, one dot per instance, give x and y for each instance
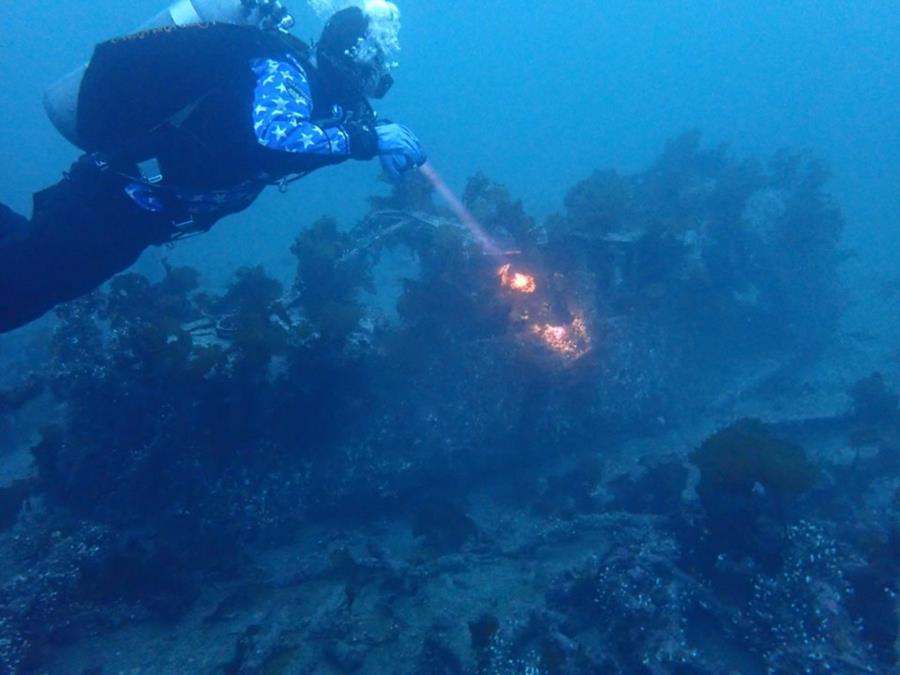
(371, 457)
(538, 94)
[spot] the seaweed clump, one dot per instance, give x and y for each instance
(736, 256)
(745, 454)
(165, 388)
(329, 279)
(503, 216)
(748, 477)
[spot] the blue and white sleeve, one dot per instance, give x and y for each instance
(282, 109)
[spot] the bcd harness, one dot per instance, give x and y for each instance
(124, 120)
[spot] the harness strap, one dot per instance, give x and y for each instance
(182, 224)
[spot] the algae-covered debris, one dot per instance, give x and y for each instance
(478, 437)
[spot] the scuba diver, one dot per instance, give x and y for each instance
(188, 122)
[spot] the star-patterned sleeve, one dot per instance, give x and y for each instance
(282, 108)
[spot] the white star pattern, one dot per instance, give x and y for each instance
(193, 202)
(283, 109)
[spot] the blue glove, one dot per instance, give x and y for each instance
(399, 149)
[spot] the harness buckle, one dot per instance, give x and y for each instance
(150, 171)
(187, 227)
(184, 226)
(93, 160)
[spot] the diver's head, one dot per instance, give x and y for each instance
(357, 48)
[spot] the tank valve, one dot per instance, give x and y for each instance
(269, 14)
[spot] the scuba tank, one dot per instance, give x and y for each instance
(61, 98)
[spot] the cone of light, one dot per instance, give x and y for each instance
(569, 341)
(459, 209)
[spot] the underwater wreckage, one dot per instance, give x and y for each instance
(572, 457)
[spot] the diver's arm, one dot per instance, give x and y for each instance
(282, 108)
